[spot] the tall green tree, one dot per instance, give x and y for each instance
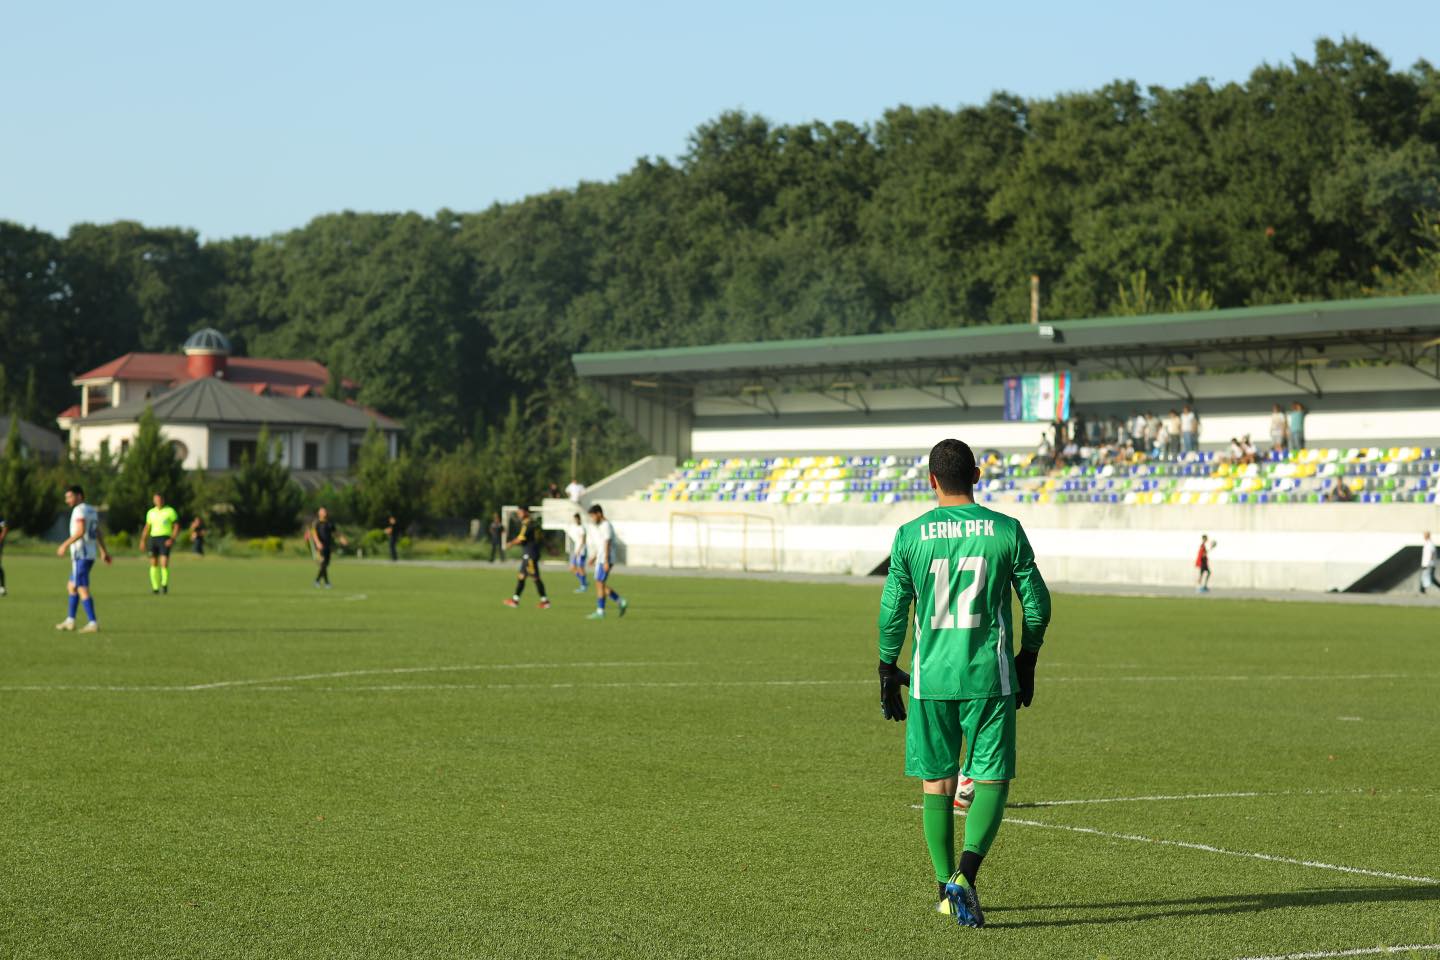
(28, 500)
(265, 499)
(148, 467)
(386, 487)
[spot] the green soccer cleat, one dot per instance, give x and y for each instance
(624, 605)
(597, 615)
(964, 901)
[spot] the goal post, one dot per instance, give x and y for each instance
(745, 537)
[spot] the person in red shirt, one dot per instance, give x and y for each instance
(1202, 564)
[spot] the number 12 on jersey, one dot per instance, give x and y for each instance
(942, 616)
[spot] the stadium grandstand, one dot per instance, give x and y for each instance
(804, 455)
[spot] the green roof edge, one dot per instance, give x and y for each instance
(1154, 319)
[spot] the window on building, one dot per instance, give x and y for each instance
(241, 450)
(312, 455)
(354, 453)
(124, 446)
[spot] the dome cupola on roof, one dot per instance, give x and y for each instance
(205, 354)
(208, 340)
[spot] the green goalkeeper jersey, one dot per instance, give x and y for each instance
(956, 565)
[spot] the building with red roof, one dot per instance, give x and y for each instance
(212, 406)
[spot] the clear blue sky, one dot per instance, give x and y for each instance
(251, 118)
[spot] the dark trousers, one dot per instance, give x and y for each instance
(495, 549)
(324, 573)
(394, 554)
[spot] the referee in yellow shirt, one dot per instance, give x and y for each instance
(159, 536)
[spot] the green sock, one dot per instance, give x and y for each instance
(940, 833)
(982, 820)
(164, 576)
(154, 578)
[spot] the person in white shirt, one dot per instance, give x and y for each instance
(1427, 563)
(1189, 430)
(574, 490)
(575, 538)
(85, 544)
(601, 539)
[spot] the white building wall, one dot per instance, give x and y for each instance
(88, 438)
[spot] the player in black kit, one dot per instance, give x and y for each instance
(323, 537)
(528, 540)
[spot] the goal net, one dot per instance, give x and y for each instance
(723, 541)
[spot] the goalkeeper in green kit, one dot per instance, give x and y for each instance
(956, 564)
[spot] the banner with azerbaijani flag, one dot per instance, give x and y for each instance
(1038, 396)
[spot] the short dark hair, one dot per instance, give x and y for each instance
(952, 463)
(76, 489)
(595, 508)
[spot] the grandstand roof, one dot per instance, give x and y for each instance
(1395, 328)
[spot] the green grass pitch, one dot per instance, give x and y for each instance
(401, 767)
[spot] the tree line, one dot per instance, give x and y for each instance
(1315, 179)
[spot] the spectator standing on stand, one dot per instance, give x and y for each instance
(1172, 434)
(1296, 425)
(574, 490)
(1278, 430)
(1189, 430)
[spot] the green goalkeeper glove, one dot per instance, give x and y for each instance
(892, 704)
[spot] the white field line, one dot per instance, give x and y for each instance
(280, 683)
(1172, 797)
(269, 683)
(1207, 848)
(1154, 798)
(1356, 952)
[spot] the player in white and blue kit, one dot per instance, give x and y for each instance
(601, 539)
(575, 544)
(86, 545)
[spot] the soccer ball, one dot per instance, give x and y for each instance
(964, 794)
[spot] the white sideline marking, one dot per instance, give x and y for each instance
(1207, 848)
(393, 671)
(268, 683)
(1153, 798)
(1356, 952)
(1246, 678)
(1181, 796)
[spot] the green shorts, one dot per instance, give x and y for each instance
(937, 729)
